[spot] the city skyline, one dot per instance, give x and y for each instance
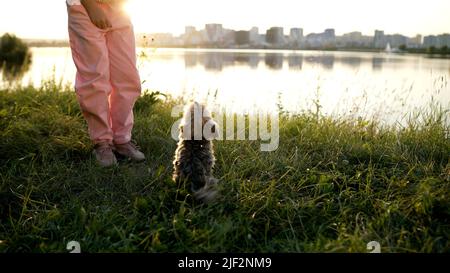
(172, 15)
(215, 35)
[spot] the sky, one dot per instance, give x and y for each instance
(48, 18)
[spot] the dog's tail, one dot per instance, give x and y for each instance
(209, 192)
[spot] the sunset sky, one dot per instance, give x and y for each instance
(48, 18)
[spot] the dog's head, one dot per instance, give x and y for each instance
(198, 124)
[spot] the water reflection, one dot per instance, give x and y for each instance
(214, 62)
(217, 61)
(351, 61)
(377, 63)
(251, 60)
(274, 61)
(326, 61)
(295, 61)
(14, 73)
(190, 60)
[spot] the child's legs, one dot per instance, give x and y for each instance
(124, 80)
(92, 85)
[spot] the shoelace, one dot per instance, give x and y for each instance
(103, 148)
(134, 145)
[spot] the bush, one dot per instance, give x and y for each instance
(14, 54)
(431, 50)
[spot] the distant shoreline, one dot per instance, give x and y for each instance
(358, 50)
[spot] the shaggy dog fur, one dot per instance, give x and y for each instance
(194, 156)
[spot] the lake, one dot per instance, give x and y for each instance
(384, 86)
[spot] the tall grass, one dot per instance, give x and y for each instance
(332, 186)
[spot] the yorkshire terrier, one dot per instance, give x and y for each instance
(194, 156)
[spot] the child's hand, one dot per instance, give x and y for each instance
(96, 14)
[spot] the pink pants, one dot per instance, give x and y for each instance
(107, 82)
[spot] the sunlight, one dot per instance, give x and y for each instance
(150, 16)
(131, 8)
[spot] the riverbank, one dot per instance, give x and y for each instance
(332, 185)
(434, 52)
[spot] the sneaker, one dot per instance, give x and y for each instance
(130, 150)
(104, 154)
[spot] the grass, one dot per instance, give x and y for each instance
(332, 186)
